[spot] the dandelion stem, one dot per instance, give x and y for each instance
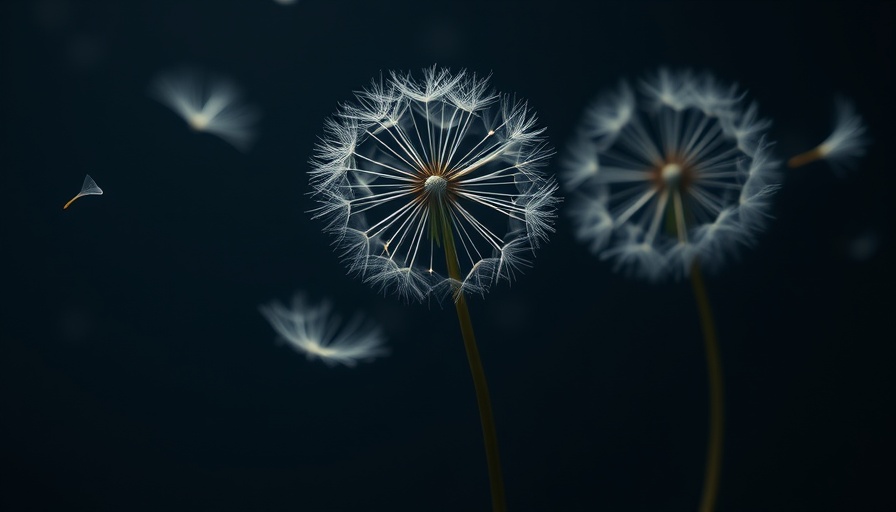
(805, 158)
(716, 400)
(489, 434)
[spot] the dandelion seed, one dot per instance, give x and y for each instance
(678, 171)
(844, 145)
(316, 332)
(88, 188)
(208, 105)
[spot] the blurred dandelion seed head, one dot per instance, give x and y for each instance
(410, 161)
(674, 170)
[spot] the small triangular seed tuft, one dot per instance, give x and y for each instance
(89, 188)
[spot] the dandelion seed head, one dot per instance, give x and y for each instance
(412, 161)
(682, 173)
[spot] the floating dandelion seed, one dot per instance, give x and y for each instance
(677, 171)
(208, 105)
(316, 332)
(88, 188)
(434, 188)
(669, 179)
(844, 145)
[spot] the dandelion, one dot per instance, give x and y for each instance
(88, 188)
(844, 145)
(675, 173)
(680, 171)
(411, 162)
(208, 104)
(315, 331)
(433, 189)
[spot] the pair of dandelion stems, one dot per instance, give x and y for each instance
(716, 398)
(443, 232)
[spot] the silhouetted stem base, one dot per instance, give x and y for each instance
(489, 434)
(716, 395)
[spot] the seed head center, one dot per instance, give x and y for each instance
(671, 174)
(435, 185)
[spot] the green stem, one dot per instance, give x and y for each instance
(489, 434)
(716, 397)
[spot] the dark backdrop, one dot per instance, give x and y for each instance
(136, 373)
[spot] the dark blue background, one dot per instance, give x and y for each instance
(136, 373)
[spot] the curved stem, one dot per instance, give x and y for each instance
(489, 434)
(716, 396)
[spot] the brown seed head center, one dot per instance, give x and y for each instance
(672, 174)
